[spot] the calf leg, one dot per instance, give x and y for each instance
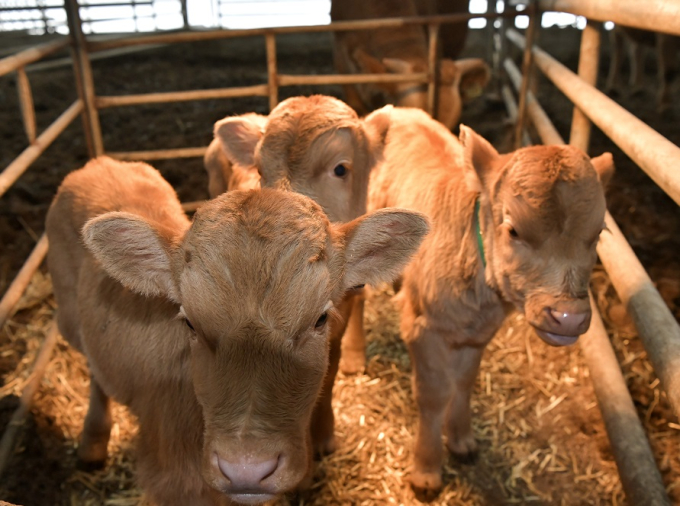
(97, 430)
(464, 366)
(615, 62)
(637, 67)
(354, 341)
(432, 390)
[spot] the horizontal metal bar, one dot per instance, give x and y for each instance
(30, 55)
(159, 154)
(260, 90)
(656, 15)
(293, 80)
(658, 329)
(19, 165)
(370, 24)
(655, 154)
(21, 281)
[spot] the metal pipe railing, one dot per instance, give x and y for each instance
(655, 154)
(30, 55)
(657, 16)
(19, 165)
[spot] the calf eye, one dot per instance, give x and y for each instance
(321, 321)
(186, 320)
(340, 170)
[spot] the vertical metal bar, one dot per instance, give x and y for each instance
(26, 101)
(433, 35)
(84, 73)
(185, 14)
(527, 70)
(588, 65)
(640, 477)
(272, 73)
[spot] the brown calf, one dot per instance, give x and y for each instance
(400, 50)
(539, 212)
(215, 333)
(316, 146)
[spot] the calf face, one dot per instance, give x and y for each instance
(256, 278)
(547, 211)
(457, 81)
(314, 145)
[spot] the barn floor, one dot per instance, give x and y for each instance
(541, 435)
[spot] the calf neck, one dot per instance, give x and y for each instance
(216, 332)
(508, 231)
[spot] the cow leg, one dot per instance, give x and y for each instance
(432, 390)
(464, 367)
(354, 341)
(97, 430)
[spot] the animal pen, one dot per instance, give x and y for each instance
(656, 325)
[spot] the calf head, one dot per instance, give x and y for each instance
(457, 81)
(314, 145)
(541, 212)
(255, 279)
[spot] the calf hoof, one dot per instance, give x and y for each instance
(353, 361)
(426, 482)
(463, 449)
(92, 454)
(90, 465)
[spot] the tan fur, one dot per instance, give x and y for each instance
(451, 304)
(403, 50)
(255, 273)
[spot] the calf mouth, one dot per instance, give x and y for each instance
(556, 340)
(247, 497)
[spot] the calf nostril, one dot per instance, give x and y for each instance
(569, 323)
(247, 473)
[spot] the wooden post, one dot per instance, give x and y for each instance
(527, 71)
(433, 35)
(588, 64)
(26, 101)
(272, 74)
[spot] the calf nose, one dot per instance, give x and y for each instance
(568, 323)
(246, 473)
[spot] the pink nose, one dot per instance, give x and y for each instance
(568, 324)
(247, 474)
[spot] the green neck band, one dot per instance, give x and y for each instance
(480, 241)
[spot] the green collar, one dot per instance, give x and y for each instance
(480, 241)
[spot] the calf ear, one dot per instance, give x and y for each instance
(239, 136)
(604, 166)
(380, 244)
(479, 158)
(475, 75)
(132, 252)
(377, 125)
(367, 63)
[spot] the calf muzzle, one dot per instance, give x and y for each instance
(562, 324)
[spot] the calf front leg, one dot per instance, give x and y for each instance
(353, 358)
(92, 451)
(463, 370)
(432, 389)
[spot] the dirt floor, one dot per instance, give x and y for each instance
(541, 435)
